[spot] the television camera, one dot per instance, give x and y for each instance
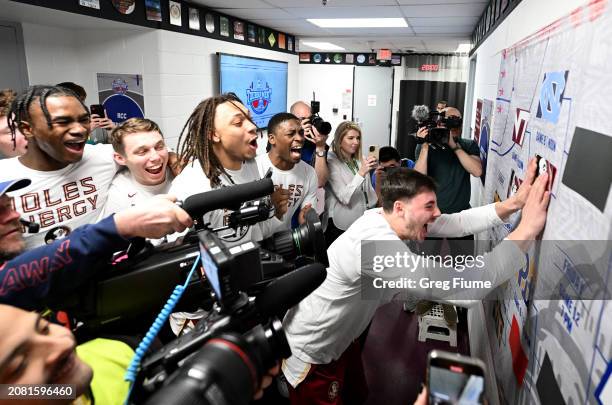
(153, 271)
(437, 123)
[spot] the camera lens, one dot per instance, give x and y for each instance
(323, 127)
(227, 369)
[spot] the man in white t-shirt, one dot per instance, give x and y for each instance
(289, 172)
(323, 329)
(218, 150)
(139, 148)
(70, 180)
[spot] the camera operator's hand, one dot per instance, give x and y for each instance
(154, 219)
(308, 129)
(267, 380)
(280, 199)
(422, 132)
(101, 122)
(302, 214)
(451, 142)
(367, 164)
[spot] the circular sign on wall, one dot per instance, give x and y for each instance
(316, 58)
(210, 23)
(360, 58)
(124, 6)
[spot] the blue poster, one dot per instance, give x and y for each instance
(121, 95)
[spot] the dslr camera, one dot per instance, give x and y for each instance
(321, 125)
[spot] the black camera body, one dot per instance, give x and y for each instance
(438, 135)
(321, 125)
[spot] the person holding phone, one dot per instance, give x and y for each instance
(349, 191)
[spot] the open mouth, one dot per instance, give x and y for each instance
(64, 366)
(296, 152)
(154, 169)
(75, 146)
(253, 143)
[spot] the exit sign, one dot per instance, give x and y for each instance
(429, 68)
(383, 54)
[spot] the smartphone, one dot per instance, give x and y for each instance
(97, 109)
(454, 379)
(374, 151)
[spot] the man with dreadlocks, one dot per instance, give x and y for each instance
(11, 144)
(217, 147)
(70, 180)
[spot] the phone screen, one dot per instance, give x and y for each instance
(454, 382)
(97, 109)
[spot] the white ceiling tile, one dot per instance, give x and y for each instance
(430, 2)
(346, 12)
(369, 31)
(255, 14)
(217, 4)
(444, 10)
(453, 29)
(442, 21)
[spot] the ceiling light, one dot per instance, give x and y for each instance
(358, 22)
(463, 48)
(323, 46)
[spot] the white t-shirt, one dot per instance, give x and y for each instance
(125, 192)
(62, 200)
(301, 181)
(192, 180)
(321, 327)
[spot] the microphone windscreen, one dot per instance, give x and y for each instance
(420, 113)
(289, 289)
(230, 197)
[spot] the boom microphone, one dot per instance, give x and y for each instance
(230, 197)
(288, 290)
(420, 113)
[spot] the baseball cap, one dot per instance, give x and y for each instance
(13, 185)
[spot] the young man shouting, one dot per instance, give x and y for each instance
(139, 148)
(217, 149)
(70, 180)
(322, 330)
(289, 172)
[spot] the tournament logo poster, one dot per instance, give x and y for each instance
(121, 95)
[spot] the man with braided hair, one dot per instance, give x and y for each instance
(217, 148)
(70, 180)
(11, 144)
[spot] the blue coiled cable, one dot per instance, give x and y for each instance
(162, 317)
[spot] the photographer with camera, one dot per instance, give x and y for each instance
(314, 151)
(322, 330)
(217, 148)
(450, 161)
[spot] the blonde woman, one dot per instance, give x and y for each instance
(349, 189)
